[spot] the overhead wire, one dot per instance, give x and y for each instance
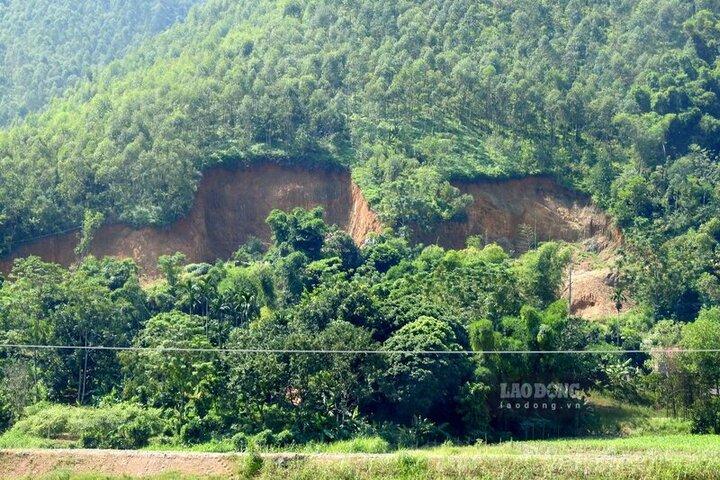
(171, 349)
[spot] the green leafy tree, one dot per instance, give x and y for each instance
(541, 272)
(424, 384)
(301, 231)
(182, 382)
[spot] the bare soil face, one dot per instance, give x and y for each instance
(519, 213)
(232, 205)
(592, 293)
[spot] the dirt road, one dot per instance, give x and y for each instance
(31, 463)
(16, 464)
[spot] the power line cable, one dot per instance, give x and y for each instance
(18, 346)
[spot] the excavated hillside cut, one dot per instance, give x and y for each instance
(230, 207)
(519, 213)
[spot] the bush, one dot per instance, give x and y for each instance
(240, 442)
(198, 430)
(284, 438)
(411, 467)
(422, 432)
(264, 439)
(251, 465)
(706, 416)
(119, 426)
(664, 426)
(6, 415)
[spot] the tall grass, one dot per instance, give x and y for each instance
(355, 445)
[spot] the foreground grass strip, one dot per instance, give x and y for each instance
(502, 468)
(442, 463)
(510, 467)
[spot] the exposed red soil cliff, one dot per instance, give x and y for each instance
(518, 213)
(230, 206)
(592, 292)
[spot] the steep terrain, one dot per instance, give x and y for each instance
(616, 98)
(232, 205)
(48, 46)
(520, 213)
(465, 89)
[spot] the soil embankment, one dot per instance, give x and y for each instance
(232, 205)
(39, 463)
(520, 213)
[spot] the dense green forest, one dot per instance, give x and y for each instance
(616, 98)
(47, 46)
(314, 289)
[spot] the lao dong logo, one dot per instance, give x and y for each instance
(540, 396)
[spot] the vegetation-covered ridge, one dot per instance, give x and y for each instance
(315, 290)
(619, 98)
(47, 46)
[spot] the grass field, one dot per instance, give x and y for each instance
(642, 457)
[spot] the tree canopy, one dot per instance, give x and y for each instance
(617, 98)
(48, 46)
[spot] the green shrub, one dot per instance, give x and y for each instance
(251, 465)
(6, 414)
(409, 466)
(240, 442)
(422, 432)
(264, 439)
(119, 426)
(706, 416)
(198, 430)
(664, 426)
(284, 438)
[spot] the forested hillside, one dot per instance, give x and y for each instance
(47, 46)
(619, 98)
(315, 339)
(616, 98)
